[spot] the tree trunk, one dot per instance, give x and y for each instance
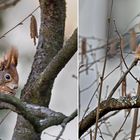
(51, 39)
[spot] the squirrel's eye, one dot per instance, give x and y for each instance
(7, 76)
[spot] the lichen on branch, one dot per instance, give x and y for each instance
(107, 106)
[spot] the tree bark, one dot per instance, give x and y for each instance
(51, 39)
(107, 106)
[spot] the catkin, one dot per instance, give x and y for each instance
(133, 43)
(84, 46)
(83, 49)
(124, 87)
(33, 29)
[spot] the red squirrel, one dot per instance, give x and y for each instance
(8, 72)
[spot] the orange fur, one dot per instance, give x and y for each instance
(8, 72)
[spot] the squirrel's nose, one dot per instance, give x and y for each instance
(12, 85)
(15, 86)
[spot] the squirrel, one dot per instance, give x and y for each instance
(8, 72)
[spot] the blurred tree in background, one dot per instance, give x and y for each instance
(109, 70)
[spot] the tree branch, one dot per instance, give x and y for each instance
(8, 3)
(49, 53)
(65, 122)
(56, 65)
(107, 106)
(51, 38)
(134, 63)
(40, 117)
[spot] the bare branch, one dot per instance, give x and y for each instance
(134, 63)
(40, 117)
(50, 42)
(56, 65)
(135, 117)
(65, 121)
(104, 68)
(120, 129)
(106, 106)
(7, 3)
(20, 23)
(121, 50)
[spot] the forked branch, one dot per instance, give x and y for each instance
(40, 117)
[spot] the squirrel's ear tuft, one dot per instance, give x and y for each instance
(14, 59)
(11, 58)
(1, 65)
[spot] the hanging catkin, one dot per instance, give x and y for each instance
(33, 29)
(124, 87)
(112, 49)
(84, 46)
(137, 53)
(133, 42)
(83, 49)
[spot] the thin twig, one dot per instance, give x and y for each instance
(88, 132)
(89, 86)
(120, 38)
(106, 107)
(20, 23)
(91, 64)
(120, 129)
(103, 72)
(8, 3)
(108, 130)
(135, 118)
(101, 134)
(134, 63)
(87, 108)
(53, 136)
(109, 116)
(65, 122)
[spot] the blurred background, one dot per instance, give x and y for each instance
(93, 15)
(64, 98)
